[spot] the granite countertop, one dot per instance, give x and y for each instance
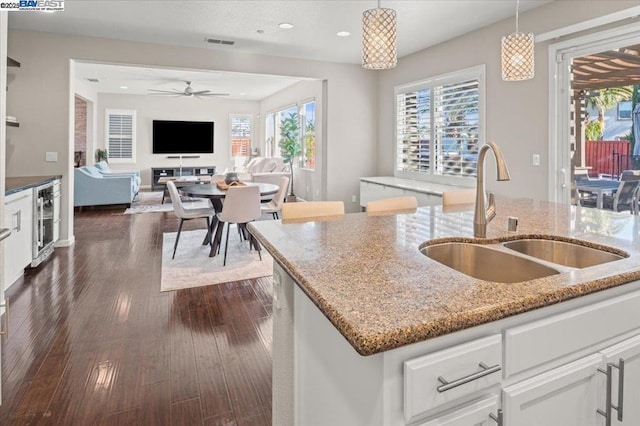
(366, 274)
(413, 184)
(20, 183)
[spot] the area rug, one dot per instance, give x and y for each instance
(192, 266)
(150, 202)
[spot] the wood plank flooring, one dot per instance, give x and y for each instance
(93, 341)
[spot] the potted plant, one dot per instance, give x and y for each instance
(290, 146)
(102, 155)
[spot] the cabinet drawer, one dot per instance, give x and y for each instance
(561, 335)
(430, 380)
(477, 413)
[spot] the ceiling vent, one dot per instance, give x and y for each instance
(219, 41)
(93, 80)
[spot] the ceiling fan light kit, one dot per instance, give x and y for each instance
(518, 60)
(379, 50)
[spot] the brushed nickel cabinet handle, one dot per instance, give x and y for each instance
(607, 412)
(485, 371)
(5, 305)
(620, 407)
(497, 418)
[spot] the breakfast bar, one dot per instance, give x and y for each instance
(363, 320)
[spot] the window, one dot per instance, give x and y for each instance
(269, 134)
(120, 135)
(624, 110)
(297, 122)
(439, 126)
(241, 135)
(308, 134)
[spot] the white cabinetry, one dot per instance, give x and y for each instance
(565, 396)
(18, 216)
(627, 355)
(553, 363)
(475, 414)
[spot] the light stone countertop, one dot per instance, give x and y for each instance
(366, 274)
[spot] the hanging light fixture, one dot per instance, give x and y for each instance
(517, 54)
(379, 38)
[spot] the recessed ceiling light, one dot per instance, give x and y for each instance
(242, 94)
(285, 26)
(124, 87)
(343, 33)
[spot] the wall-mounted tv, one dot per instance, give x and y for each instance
(182, 137)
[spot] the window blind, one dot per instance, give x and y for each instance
(438, 127)
(120, 135)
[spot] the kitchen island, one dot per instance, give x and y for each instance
(359, 312)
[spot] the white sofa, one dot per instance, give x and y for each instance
(264, 169)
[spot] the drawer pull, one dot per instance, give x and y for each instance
(485, 371)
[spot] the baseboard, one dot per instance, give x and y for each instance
(65, 243)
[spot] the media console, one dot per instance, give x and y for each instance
(158, 172)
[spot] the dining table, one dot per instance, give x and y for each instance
(599, 187)
(217, 195)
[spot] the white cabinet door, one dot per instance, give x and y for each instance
(474, 414)
(18, 216)
(627, 353)
(565, 396)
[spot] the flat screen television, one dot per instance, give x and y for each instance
(182, 137)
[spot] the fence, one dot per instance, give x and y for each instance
(608, 158)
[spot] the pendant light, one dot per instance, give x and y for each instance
(379, 38)
(517, 54)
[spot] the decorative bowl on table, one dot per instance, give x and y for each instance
(231, 177)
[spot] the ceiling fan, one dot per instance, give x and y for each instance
(187, 91)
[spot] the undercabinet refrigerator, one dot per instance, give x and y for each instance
(46, 220)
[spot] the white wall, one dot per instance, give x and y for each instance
(517, 112)
(308, 184)
(149, 108)
(43, 103)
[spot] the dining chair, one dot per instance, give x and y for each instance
(274, 206)
(312, 210)
(459, 196)
(187, 214)
(392, 205)
(241, 206)
(625, 197)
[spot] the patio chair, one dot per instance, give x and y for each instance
(625, 197)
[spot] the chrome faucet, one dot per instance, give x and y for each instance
(482, 216)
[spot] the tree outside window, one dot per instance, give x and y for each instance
(308, 130)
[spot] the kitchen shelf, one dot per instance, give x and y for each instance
(12, 62)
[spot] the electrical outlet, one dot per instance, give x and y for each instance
(51, 157)
(354, 199)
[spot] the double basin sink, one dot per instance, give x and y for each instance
(518, 260)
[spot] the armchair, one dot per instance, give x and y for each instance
(92, 188)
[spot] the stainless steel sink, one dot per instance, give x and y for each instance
(562, 252)
(486, 263)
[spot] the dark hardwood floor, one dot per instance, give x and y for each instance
(93, 341)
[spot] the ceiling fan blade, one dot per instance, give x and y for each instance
(200, 92)
(214, 94)
(172, 91)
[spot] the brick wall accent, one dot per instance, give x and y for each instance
(80, 134)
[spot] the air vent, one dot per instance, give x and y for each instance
(93, 80)
(219, 41)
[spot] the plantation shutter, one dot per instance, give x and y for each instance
(120, 135)
(241, 136)
(455, 115)
(413, 131)
(438, 126)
